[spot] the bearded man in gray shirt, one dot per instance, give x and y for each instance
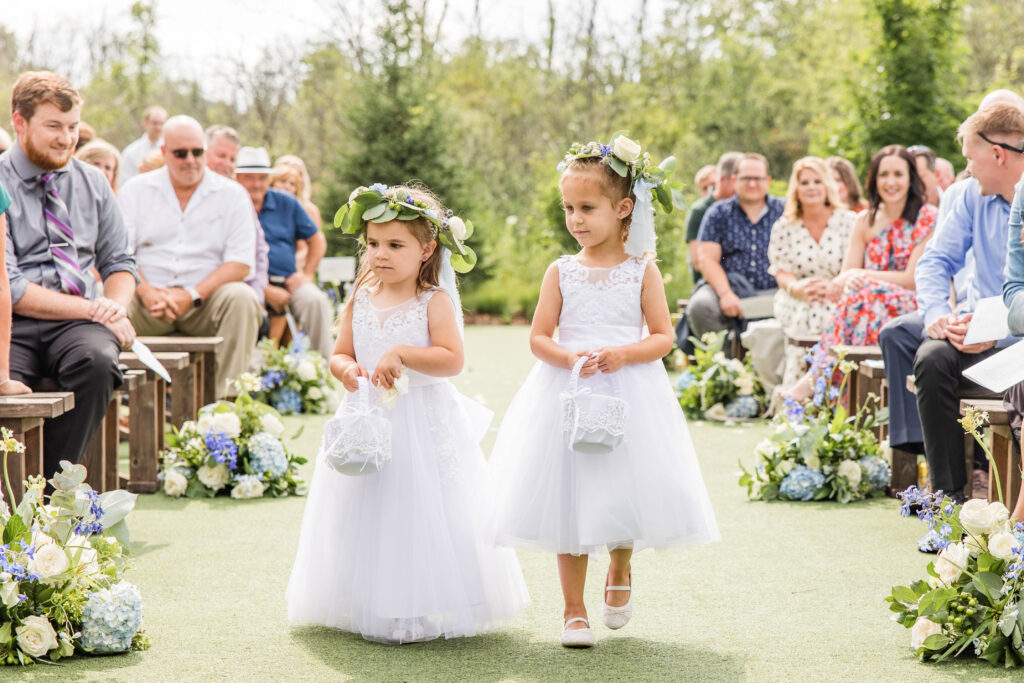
(63, 222)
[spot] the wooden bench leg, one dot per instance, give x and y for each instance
(146, 422)
(111, 437)
(29, 431)
(1001, 442)
(183, 393)
(969, 465)
(209, 385)
(904, 471)
(95, 452)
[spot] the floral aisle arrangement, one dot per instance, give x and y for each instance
(819, 451)
(294, 379)
(233, 448)
(716, 387)
(62, 566)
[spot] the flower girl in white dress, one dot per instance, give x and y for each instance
(568, 497)
(403, 554)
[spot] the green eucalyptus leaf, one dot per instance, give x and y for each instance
(388, 214)
(341, 216)
(463, 263)
(936, 641)
(668, 164)
(376, 211)
(664, 196)
(71, 476)
(618, 166)
(116, 506)
(120, 532)
(678, 200)
(469, 230)
(904, 594)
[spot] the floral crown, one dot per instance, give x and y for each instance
(379, 203)
(626, 158)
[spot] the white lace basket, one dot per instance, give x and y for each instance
(357, 440)
(591, 422)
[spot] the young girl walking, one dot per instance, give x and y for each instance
(402, 554)
(568, 497)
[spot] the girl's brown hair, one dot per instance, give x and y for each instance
(422, 230)
(616, 187)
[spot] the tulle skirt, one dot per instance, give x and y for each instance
(404, 554)
(648, 492)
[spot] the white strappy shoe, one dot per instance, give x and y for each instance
(617, 617)
(578, 637)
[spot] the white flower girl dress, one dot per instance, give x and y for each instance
(403, 554)
(646, 492)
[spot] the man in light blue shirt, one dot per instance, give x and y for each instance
(930, 341)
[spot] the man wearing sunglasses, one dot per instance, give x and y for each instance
(192, 234)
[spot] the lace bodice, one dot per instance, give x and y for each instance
(601, 296)
(375, 330)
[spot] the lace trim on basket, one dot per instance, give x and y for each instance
(611, 417)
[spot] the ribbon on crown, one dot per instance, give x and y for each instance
(650, 184)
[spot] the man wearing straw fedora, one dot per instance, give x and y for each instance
(284, 223)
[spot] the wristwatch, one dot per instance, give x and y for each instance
(197, 300)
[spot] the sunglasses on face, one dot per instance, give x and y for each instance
(183, 153)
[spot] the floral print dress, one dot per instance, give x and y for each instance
(860, 314)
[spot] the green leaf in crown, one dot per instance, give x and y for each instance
(379, 203)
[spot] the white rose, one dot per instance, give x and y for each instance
(388, 397)
(85, 557)
(39, 539)
(35, 636)
(921, 630)
(315, 394)
(850, 470)
(786, 466)
(49, 560)
(215, 477)
(248, 488)
(227, 423)
(458, 228)
(175, 483)
(9, 592)
(765, 450)
(205, 423)
(979, 517)
(626, 149)
(975, 544)
(306, 370)
(814, 462)
(716, 412)
(951, 563)
(745, 385)
(289, 360)
(1002, 545)
(271, 425)
(196, 444)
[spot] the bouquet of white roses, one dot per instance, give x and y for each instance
(819, 451)
(232, 448)
(294, 379)
(61, 569)
(716, 387)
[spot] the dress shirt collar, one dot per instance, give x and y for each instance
(269, 201)
(161, 179)
(26, 170)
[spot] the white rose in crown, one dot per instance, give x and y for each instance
(35, 636)
(921, 630)
(175, 483)
(950, 564)
(227, 423)
(50, 560)
(356, 192)
(389, 397)
(215, 478)
(458, 228)
(850, 470)
(626, 149)
(306, 370)
(271, 425)
(979, 517)
(1002, 545)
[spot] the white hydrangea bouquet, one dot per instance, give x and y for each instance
(294, 379)
(62, 564)
(232, 448)
(716, 387)
(819, 451)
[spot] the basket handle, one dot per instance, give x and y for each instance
(574, 378)
(363, 391)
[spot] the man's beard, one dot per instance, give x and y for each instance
(44, 158)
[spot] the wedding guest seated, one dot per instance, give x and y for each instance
(193, 238)
(945, 174)
(806, 251)
(925, 161)
(86, 134)
(151, 162)
(62, 222)
(722, 188)
(285, 223)
(851, 194)
(104, 156)
(877, 280)
(131, 156)
(294, 179)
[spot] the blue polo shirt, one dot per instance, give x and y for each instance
(744, 244)
(284, 221)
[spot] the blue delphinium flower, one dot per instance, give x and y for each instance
(271, 378)
(93, 526)
(286, 401)
(932, 542)
(606, 150)
(877, 471)
(111, 619)
(801, 483)
(222, 448)
(266, 454)
(9, 564)
(793, 410)
(685, 379)
(742, 407)
(298, 346)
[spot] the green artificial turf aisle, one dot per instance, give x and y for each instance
(793, 592)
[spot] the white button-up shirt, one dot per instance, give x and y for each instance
(133, 155)
(175, 248)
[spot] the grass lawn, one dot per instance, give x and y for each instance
(793, 592)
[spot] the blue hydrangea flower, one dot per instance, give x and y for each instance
(686, 378)
(286, 401)
(222, 448)
(111, 619)
(298, 346)
(266, 454)
(271, 378)
(743, 406)
(378, 187)
(877, 471)
(801, 483)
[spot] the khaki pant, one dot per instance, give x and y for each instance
(231, 312)
(313, 312)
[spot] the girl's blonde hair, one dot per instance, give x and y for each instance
(616, 187)
(303, 189)
(289, 173)
(422, 230)
(793, 210)
(101, 149)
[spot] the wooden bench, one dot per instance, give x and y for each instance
(871, 380)
(24, 416)
(195, 386)
(1005, 458)
(101, 456)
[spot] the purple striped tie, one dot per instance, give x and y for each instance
(62, 239)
